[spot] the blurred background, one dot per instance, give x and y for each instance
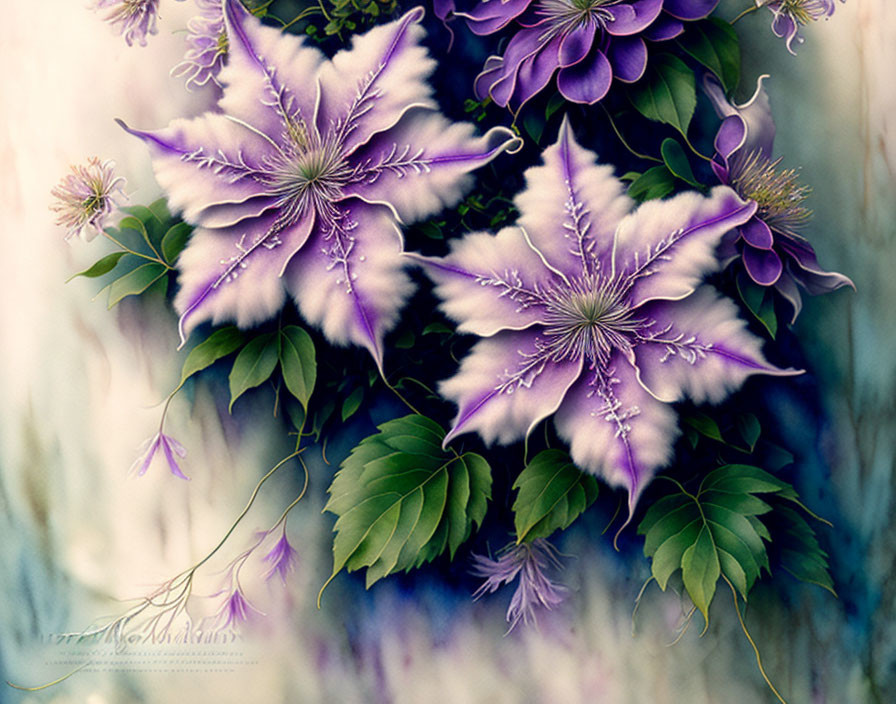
(80, 389)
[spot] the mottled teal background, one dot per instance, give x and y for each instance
(78, 386)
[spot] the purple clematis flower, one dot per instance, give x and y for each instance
(772, 251)
(301, 180)
(169, 447)
(207, 39)
(789, 15)
(587, 43)
(134, 19)
(529, 562)
(597, 315)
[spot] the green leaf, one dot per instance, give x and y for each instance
(174, 241)
(700, 570)
(217, 345)
(704, 425)
(402, 501)
(553, 492)
(556, 102)
(298, 363)
(760, 302)
(713, 533)
(101, 267)
(667, 93)
(798, 550)
(713, 43)
(405, 340)
(749, 428)
(437, 328)
(135, 282)
(656, 182)
(352, 403)
(677, 161)
(253, 365)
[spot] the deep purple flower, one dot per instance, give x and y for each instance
(301, 180)
(133, 19)
(595, 314)
(169, 447)
(528, 562)
(282, 558)
(207, 39)
(789, 15)
(236, 609)
(772, 251)
(86, 198)
(587, 43)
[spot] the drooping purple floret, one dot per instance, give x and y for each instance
(585, 43)
(235, 610)
(299, 182)
(207, 41)
(169, 448)
(597, 315)
(528, 562)
(134, 19)
(770, 246)
(282, 558)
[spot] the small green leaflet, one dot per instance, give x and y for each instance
(667, 93)
(401, 500)
(797, 548)
(351, 404)
(175, 240)
(254, 365)
(715, 532)
(101, 267)
(656, 182)
(713, 43)
(217, 345)
(704, 425)
(553, 492)
(677, 161)
(760, 301)
(135, 282)
(298, 363)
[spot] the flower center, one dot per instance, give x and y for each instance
(590, 320)
(566, 15)
(803, 11)
(312, 176)
(778, 193)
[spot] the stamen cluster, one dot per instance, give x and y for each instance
(779, 193)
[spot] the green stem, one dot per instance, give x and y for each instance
(135, 253)
(626, 144)
(743, 626)
(746, 12)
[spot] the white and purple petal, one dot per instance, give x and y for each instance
(269, 78)
(571, 206)
(665, 248)
(367, 89)
(505, 387)
(423, 163)
(234, 273)
(349, 279)
(616, 429)
(490, 282)
(756, 115)
(209, 161)
(698, 348)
